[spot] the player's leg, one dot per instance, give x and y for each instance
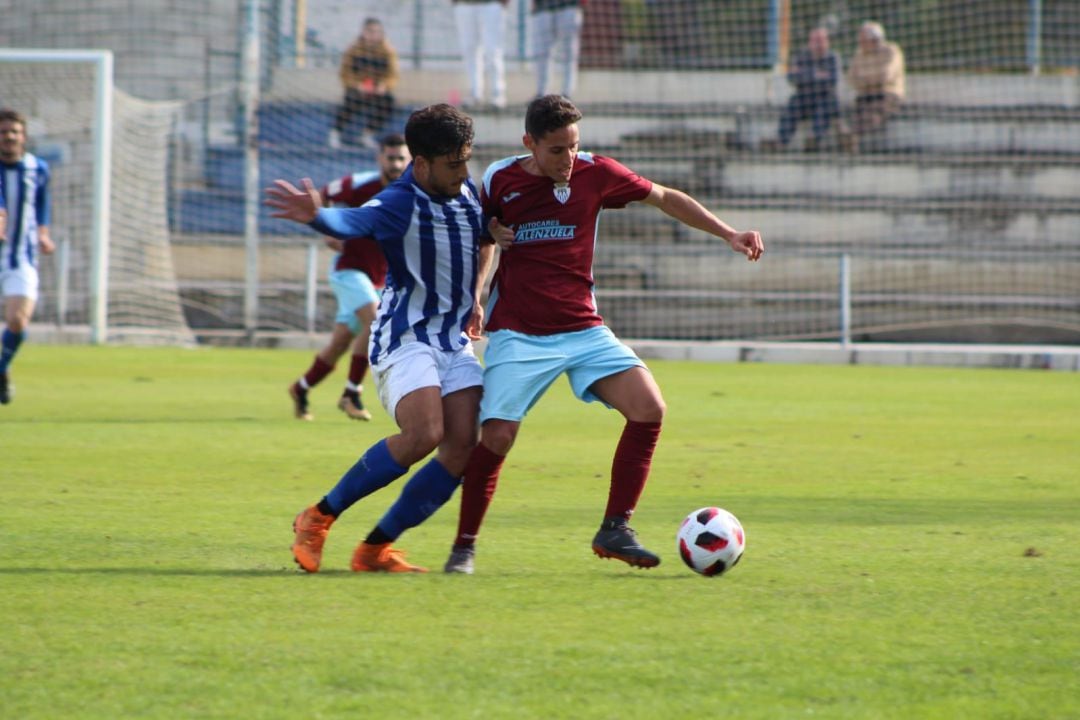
(19, 289)
(351, 402)
(568, 29)
(434, 483)
(409, 389)
(520, 368)
(16, 319)
(607, 370)
(322, 365)
(492, 27)
(468, 27)
(543, 43)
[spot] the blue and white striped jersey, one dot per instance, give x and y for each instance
(432, 247)
(25, 189)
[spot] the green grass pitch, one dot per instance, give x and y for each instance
(912, 551)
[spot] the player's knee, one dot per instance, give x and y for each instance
(654, 412)
(649, 410)
(498, 436)
(427, 436)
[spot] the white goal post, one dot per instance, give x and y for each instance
(121, 282)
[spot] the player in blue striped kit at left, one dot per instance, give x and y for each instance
(24, 186)
(429, 225)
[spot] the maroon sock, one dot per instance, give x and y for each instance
(477, 489)
(358, 368)
(630, 468)
(318, 370)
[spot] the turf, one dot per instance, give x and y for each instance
(912, 551)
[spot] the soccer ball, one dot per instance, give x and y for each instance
(710, 541)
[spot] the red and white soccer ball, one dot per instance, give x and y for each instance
(710, 541)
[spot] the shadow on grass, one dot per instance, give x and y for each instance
(162, 572)
(85, 420)
(293, 572)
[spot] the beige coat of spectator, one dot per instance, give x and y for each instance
(878, 65)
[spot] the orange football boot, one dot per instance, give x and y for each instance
(382, 558)
(310, 527)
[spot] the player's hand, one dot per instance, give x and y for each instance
(748, 243)
(334, 244)
(46, 245)
(474, 329)
(502, 234)
(293, 203)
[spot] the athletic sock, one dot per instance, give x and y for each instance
(630, 468)
(427, 491)
(477, 489)
(9, 344)
(357, 368)
(375, 469)
(318, 370)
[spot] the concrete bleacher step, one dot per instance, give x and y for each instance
(866, 223)
(941, 176)
(915, 129)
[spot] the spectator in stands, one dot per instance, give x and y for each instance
(369, 72)
(814, 72)
(876, 74)
(557, 31)
(481, 25)
(357, 272)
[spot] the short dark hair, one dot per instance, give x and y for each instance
(391, 140)
(438, 130)
(9, 115)
(550, 112)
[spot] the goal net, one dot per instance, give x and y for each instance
(113, 271)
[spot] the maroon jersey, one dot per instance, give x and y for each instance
(544, 283)
(362, 254)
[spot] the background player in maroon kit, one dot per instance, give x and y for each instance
(543, 321)
(357, 271)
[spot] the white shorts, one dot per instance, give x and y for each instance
(21, 282)
(416, 365)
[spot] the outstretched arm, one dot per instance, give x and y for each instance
(292, 203)
(690, 212)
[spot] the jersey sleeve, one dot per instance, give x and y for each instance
(43, 199)
(383, 218)
(622, 185)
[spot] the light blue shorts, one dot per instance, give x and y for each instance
(353, 290)
(519, 368)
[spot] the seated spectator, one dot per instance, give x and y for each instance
(369, 71)
(814, 72)
(876, 74)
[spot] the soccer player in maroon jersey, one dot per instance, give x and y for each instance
(543, 321)
(357, 272)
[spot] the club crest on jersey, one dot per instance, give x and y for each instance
(562, 192)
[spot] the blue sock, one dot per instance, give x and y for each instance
(8, 345)
(374, 470)
(427, 491)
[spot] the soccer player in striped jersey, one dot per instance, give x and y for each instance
(543, 320)
(357, 272)
(430, 227)
(24, 185)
